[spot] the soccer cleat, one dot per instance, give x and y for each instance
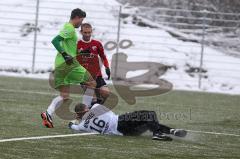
(178, 132)
(46, 120)
(161, 137)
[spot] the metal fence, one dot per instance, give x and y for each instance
(193, 47)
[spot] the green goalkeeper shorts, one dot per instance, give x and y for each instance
(73, 74)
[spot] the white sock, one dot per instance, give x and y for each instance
(88, 96)
(56, 102)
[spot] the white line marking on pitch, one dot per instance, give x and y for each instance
(85, 134)
(213, 133)
(45, 137)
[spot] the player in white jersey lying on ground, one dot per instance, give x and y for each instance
(102, 120)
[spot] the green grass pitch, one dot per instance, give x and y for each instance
(22, 100)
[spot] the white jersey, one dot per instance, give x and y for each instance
(99, 119)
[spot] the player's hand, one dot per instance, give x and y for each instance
(108, 72)
(68, 58)
(70, 125)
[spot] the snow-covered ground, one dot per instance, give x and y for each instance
(149, 44)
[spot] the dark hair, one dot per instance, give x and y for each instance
(80, 107)
(78, 13)
(86, 25)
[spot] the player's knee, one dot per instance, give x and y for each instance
(104, 91)
(90, 84)
(93, 84)
(65, 96)
(64, 92)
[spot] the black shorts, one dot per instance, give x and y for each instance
(100, 82)
(136, 123)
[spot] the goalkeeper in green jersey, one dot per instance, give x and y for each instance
(67, 69)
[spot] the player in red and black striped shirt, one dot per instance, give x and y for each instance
(89, 51)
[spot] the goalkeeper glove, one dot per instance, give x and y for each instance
(108, 72)
(68, 58)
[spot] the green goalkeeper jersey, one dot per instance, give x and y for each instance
(69, 44)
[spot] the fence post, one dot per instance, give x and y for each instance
(35, 36)
(202, 49)
(118, 41)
